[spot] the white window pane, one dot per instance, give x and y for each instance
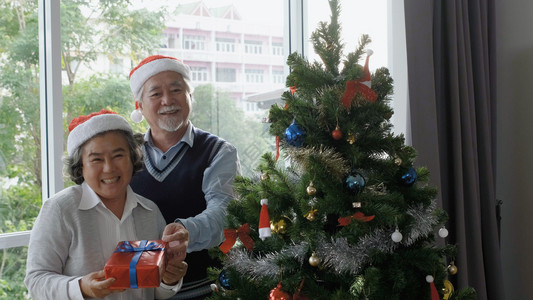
(20, 139)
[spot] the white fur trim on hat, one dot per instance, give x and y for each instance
(93, 126)
(154, 65)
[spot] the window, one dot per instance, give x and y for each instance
(192, 42)
(199, 74)
(225, 45)
(253, 47)
(171, 40)
(254, 76)
(20, 124)
(278, 76)
(277, 49)
(92, 74)
(226, 75)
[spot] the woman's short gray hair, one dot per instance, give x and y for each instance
(74, 164)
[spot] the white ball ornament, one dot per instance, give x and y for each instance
(443, 232)
(429, 279)
(396, 236)
(136, 116)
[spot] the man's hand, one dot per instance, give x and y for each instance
(94, 285)
(174, 271)
(178, 240)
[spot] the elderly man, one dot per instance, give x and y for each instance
(188, 172)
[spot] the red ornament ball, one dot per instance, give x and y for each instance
(336, 134)
(278, 294)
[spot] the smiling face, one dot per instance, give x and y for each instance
(107, 166)
(166, 102)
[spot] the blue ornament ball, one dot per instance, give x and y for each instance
(223, 278)
(355, 182)
(295, 135)
(408, 177)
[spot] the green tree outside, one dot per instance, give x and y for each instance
(216, 112)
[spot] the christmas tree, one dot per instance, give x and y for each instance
(345, 214)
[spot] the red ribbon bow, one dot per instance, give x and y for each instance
(359, 216)
(242, 232)
(355, 86)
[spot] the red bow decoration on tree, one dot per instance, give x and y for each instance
(361, 85)
(359, 216)
(242, 232)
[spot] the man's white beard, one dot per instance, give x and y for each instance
(171, 124)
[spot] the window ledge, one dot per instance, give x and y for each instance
(15, 239)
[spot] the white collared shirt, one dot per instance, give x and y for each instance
(113, 230)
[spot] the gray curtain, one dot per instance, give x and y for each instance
(451, 68)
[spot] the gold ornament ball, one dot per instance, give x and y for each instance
(311, 190)
(351, 138)
(279, 227)
(452, 269)
(398, 161)
(314, 260)
(264, 176)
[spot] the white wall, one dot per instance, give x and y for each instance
(515, 143)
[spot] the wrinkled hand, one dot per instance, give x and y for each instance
(178, 240)
(174, 271)
(94, 285)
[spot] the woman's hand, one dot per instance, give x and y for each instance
(94, 285)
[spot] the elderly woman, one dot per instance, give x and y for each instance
(78, 229)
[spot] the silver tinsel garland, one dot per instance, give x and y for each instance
(338, 254)
(265, 266)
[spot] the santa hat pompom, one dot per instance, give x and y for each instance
(83, 128)
(136, 116)
(264, 221)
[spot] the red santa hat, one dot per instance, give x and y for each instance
(148, 67)
(83, 128)
(264, 221)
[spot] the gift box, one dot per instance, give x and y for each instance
(136, 264)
